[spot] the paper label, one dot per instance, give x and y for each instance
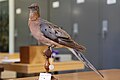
(45, 76)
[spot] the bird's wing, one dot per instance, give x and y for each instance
(55, 33)
(55, 29)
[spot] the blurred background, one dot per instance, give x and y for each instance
(92, 23)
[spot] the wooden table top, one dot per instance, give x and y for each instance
(37, 68)
(113, 74)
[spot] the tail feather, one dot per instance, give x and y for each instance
(82, 58)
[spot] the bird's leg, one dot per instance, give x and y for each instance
(47, 63)
(48, 53)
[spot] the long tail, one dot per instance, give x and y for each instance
(82, 58)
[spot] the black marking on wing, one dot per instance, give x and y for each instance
(56, 34)
(48, 32)
(52, 35)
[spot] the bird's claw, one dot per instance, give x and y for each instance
(48, 52)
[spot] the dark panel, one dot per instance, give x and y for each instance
(4, 26)
(87, 16)
(110, 44)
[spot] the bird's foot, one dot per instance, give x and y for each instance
(48, 52)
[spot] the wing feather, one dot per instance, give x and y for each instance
(52, 31)
(55, 33)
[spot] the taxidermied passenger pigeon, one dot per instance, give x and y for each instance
(53, 36)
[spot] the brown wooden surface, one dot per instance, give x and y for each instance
(36, 68)
(9, 56)
(32, 54)
(113, 74)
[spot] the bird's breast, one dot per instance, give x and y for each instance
(35, 29)
(36, 32)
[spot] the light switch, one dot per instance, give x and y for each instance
(18, 11)
(104, 29)
(105, 25)
(80, 1)
(55, 4)
(111, 2)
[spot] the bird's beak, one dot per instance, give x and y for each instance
(29, 7)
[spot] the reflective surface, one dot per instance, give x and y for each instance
(4, 26)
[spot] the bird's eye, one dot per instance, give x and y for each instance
(56, 32)
(45, 29)
(36, 7)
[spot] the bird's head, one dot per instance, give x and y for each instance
(34, 7)
(34, 11)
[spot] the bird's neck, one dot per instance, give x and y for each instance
(34, 16)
